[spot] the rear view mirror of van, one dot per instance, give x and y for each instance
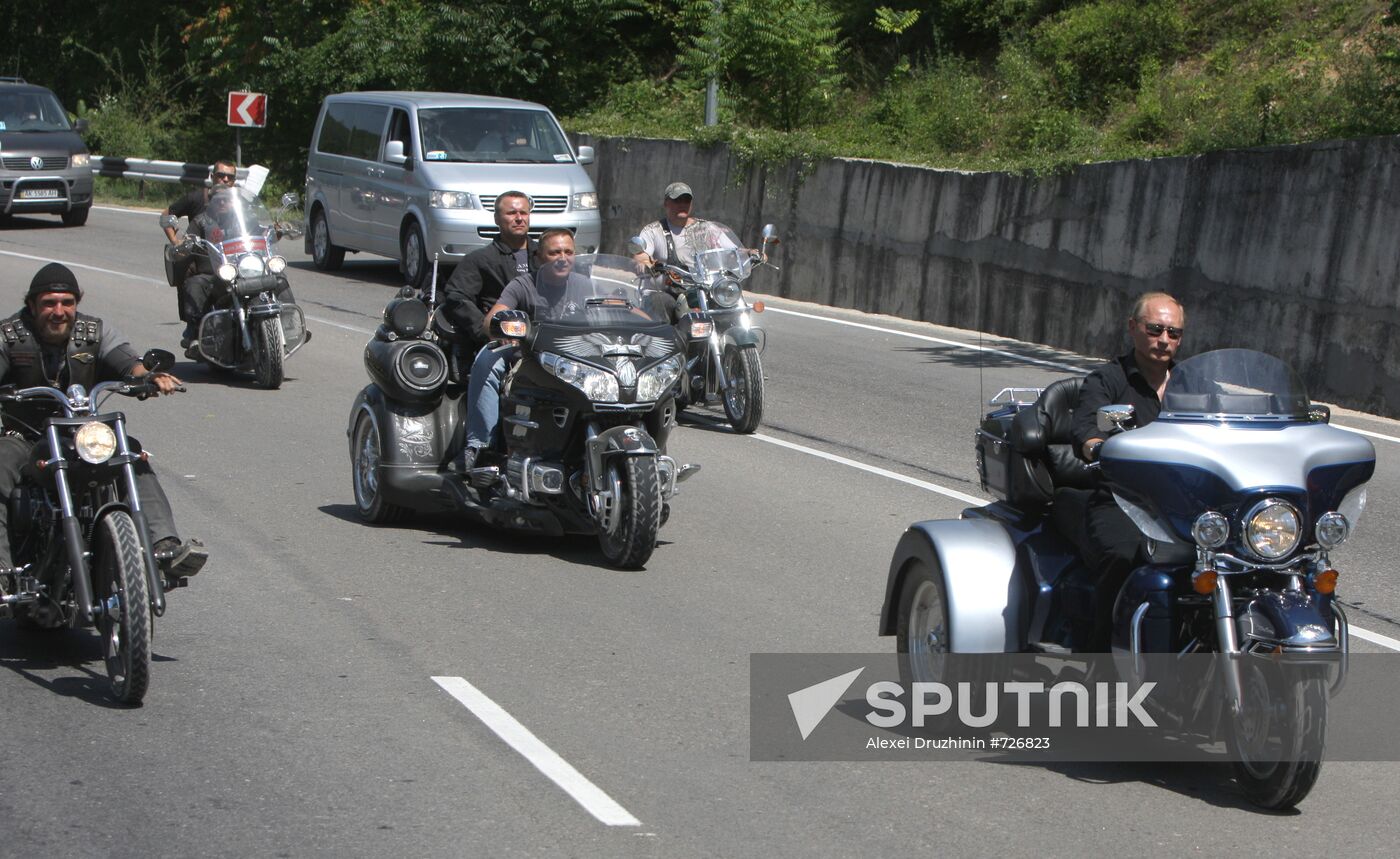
(585, 155)
(393, 152)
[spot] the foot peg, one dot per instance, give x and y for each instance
(483, 478)
(687, 471)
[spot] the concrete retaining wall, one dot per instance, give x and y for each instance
(1289, 250)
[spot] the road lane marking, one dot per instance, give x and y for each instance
(1375, 637)
(544, 759)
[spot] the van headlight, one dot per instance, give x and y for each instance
(597, 385)
(82, 159)
(726, 293)
(251, 265)
(658, 380)
(586, 200)
(96, 442)
(1272, 529)
(452, 200)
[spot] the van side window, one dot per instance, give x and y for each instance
(365, 134)
(335, 129)
(399, 130)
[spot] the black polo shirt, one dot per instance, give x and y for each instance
(1117, 382)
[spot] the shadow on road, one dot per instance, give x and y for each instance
(32, 654)
(972, 358)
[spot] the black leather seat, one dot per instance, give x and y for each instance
(1042, 435)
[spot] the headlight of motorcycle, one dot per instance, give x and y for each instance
(658, 380)
(586, 200)
(1272, 529)
(726, 293)
(82, 159)
(452, 200)
(277, 265)
(96, 442)
(228, 273)
(1332, 530)
(597, 385)
(1211, 530)
(251, 265)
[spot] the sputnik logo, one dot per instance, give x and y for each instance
(810, 705)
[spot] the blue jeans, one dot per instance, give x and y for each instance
(484, 394)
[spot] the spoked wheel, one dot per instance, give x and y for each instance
(1277, 737)
(743, 400)
(326, 256)
(267, 353)
(125, 620)
(922, 626)
(631, 513)
(365, 452)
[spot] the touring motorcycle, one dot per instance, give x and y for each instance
(79, 538)
(1243, 490)
(722, 340)
(585, 416)
(252, 324)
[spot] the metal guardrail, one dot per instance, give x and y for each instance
(154, 171)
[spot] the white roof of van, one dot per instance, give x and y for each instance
(437, 99)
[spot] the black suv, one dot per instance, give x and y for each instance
(43, 162)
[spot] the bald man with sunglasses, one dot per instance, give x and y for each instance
(1138, 379)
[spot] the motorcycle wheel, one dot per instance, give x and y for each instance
(365, 452)
(629, 534)
(921, 628)
(1276, 740)
(125, 622)
(326, 256)
(743, 401)
(267, 353)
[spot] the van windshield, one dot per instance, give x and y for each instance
(32, 111)
(478, 134)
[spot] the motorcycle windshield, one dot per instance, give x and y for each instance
(595, 291)
(1235, 385)
(718, 253)
(241, 223)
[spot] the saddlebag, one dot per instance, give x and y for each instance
(1004, 471)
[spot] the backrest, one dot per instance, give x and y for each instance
(1042, 434)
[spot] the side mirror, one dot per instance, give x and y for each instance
(1319, 414)
(289, 200)
(770, 235)
(635, 245)
(157, 360)
(585, 155)
(169, 222)
(81, 126)
(393, 152)
(1114, 418)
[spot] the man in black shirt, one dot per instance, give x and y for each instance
(191, 206)
(482, 275)
(1138, 379)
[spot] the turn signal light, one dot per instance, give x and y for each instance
(1203, 581)
(758, 306)
(1325, 582)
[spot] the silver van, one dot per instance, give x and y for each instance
(44, 165)
(410, 175)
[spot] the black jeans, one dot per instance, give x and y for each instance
(1114, 550)
(16, 453)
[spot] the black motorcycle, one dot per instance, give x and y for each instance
(722, 339)
(251, 326)
(78, 537)
(585, 415)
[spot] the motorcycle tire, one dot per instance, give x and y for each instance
(743, 400)
(126, 626)
(921, 627)
(636, 518)
(325, 256)
(366, 450)
(1276, 740)
(267, 353)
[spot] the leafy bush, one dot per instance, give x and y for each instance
(1093, 50)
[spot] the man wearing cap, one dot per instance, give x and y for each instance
(674, 239)
(49, 343)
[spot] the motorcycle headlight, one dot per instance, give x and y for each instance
(228, 273)
(659, 379)
(1272, 529)
(277, 265)
(251, 265)
(96, 442)
(82, 159)
(726, 293)
(1332, 530)
(597, 385)
(586, 200)
(1211, 530)
(452, 200)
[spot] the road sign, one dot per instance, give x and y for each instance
(247, 109)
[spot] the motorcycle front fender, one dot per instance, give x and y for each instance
(616, 441)
(976, 561)
(741, 337)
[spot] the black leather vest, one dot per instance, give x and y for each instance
(27, 368)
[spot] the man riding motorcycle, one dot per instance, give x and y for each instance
(673, 240)
(49, 343)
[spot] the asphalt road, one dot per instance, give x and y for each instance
(293, 708)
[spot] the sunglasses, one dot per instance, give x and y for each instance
(1154, 329)
(229, 176)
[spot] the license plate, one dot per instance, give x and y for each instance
(38, 193)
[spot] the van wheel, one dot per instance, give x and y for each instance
(76, 216)
(326, 256)
(413, 256)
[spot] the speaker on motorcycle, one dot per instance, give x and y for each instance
(407, 317)
(411, 371)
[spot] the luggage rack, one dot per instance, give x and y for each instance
(1019, 396)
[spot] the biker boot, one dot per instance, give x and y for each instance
(180, 560)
